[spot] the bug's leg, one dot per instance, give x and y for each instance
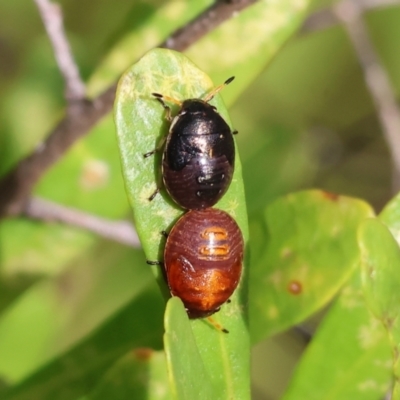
(217, 325)
(218, 89)
(151, 198)
(154, 262)
(165, 234)
(150, 153)
(160, 185)
(160, 98)
(157, 149)
(167, 109)
(235, 132)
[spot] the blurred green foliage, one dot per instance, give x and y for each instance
(81, 317)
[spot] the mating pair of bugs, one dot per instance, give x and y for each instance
(203, 254)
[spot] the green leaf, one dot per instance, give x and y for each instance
(46, 249)
(270, 153)
(381, 279)
(54, 314)
(183, 355)
(390, 216)
(76, 372)
(259, 32)
(141, 124)
(380, 265)
(349, 356)
(141, 373)
(205, 362)
(149, 24)
(305, 247)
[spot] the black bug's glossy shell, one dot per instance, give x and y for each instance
(199, 156)
(203, 260)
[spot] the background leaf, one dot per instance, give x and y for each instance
(183, 355)
(381, 283)
(390, 216)
(57, 312)
(306, 248)
(142, 372)
(75, 373)
(349, 356)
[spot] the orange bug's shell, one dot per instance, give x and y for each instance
(203, 260)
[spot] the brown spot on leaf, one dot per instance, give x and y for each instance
(331, 196)
(143, 353)
(295, 287)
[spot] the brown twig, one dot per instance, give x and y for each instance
(16, 186)
(376, 79)
(210, 19)
(52, 18)
(119, 231)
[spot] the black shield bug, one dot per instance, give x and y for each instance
(199, 153)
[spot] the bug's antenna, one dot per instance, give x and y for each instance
(160, 97)
(218, 89)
